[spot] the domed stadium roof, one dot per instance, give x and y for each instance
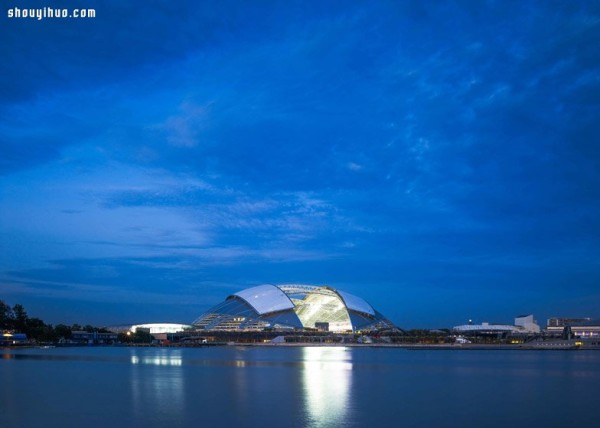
(293, 306)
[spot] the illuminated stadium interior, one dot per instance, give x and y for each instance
(293, 306)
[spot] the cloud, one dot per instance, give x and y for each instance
(243, 140)
(185, 129)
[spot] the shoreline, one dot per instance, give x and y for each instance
(412, 347)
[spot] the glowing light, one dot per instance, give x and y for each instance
(160, 327)
(164, 386)
(324, 308)
(327, 377)
(157, 360)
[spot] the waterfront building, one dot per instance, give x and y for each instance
(523, 324)
(152, 328)
(158, 328)
(564, 322)
(293, 307)
(485, 327)
(527, 324)
(9, 338)
(93, 337)
(579, 327)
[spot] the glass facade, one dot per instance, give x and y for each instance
(293, 306)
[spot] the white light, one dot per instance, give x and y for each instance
(327, 379)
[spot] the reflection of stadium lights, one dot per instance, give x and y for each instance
(157, 360)
(327, 383)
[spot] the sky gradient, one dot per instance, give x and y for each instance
(439, 159)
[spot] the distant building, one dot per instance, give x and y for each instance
(527, 324)
(293, 307)
(93, 337)
(9, 338)
(152, 328)
(579, 327)
(485, 327)
(523, 324)
(563, 322)
(462, 340)
(156, 328)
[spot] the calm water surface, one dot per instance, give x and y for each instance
(297, 387)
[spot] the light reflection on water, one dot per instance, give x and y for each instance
(161, 360)
(296, 387)
(327, 380)
(157, 381)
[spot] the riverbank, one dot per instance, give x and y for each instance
(453, 347)
(413, 347)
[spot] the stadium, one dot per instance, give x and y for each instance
(293, 307)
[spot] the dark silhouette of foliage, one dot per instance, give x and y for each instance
(16, 319)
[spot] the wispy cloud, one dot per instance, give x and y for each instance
(380, 143)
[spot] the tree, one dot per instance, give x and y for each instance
(124, 337)
(62, 331)
(20, 317)
(142, 336)
(38, 330)
(6, 316)
(16, 318)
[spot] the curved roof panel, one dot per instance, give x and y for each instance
(293, 306)
(356, 303)
(266, 299)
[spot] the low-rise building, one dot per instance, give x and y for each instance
(527, 324)
(524, 324)
(579, 327)
(94, 337)
(152, 328)
(485, 327)
(10, 338)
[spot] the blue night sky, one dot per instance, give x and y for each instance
(439, 159)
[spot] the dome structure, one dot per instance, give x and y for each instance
(293, 306)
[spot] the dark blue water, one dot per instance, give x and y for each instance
(297, 387)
